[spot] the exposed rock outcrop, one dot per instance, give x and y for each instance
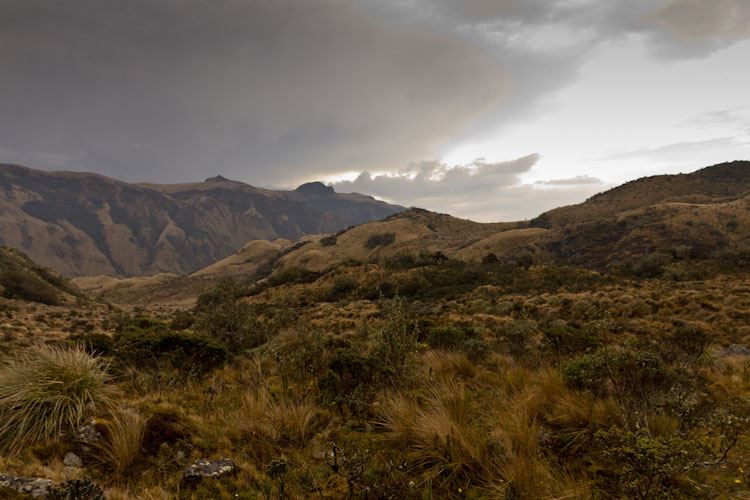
(35, 487)
(202, 469)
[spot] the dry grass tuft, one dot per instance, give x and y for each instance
(121, 446)
(444, 434)
(283, 420)
(47, 391)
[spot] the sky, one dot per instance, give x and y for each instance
(492, 110)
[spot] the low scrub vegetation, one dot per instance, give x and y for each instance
(418, 377)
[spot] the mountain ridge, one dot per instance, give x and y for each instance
(89, 224)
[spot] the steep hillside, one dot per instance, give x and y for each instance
(83, 224)
(719, 183)
(702, 213)
(23, 279)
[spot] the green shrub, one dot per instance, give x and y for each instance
(220, 315)
(476, 349)
(446, 337)
(587, 372)
(187, 355)
(232, 324)
(635, 378)
(339, 288)
(395, 339)
(380, 240)
(348, 380)
(46, 391)
(644, 467)
(97, 344)
(138, 324)
(181, 320)
(566, 340)
(686, 345)
(517, 336)
(292, 276)
(77, 489)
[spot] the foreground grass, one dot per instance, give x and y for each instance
(48, 391)
(584, 394)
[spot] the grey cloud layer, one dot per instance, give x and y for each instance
(262, 90)
(276, 92)
(480, 191)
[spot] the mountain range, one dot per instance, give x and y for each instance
(650, 227)
(88, 225)
(85, 224)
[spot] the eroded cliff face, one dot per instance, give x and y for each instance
(83, 224)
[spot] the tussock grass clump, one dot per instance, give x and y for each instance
(280, 420)
(47, 391)
(121, 446)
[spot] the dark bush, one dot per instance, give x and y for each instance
(348, 380)
(328, 241)
(98, 344)
(587, 372)
(138, 324)
(292, 276)
(220, 315)
(651, 266)
(77, 489)
(525, 259)
(380, 240)
(446, 337)
(477, 350)
(567, 340)
(339, 288)
(188, 355)
(517, 336)
(686, 345)
(225, 291)
(166, 425)
(490, 258)
(181, 320)
(20, 284)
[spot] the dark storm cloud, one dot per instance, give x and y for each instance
(704, 25)
(266, 91)
(276, 92)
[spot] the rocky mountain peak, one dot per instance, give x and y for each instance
(315, 188)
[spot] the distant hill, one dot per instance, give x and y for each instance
(720, 183)
(84, 224)
(705, 212)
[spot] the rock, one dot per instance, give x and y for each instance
(72, 460)
(736, 350)
(214, 469)
(37, 488)
(87, 433)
